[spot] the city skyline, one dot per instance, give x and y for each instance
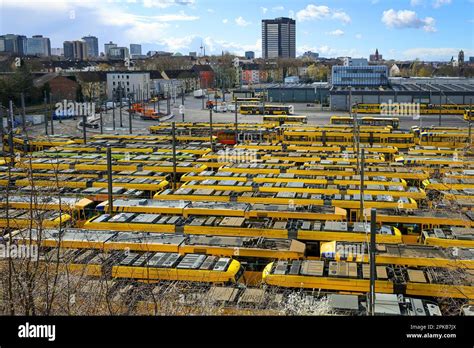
(437, 29)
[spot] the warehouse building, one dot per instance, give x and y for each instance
(406, 90)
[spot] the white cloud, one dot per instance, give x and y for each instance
(176, 43)
(264, 9)
(146, 32)
(314, 12)
(210, 10)
(434, 53)
(225, 21)
(416, 2)
(374, 2)
(407, 19)
(342, 16)
(181, 16)
(233, 47)
(166, 3)
(358, 36)
(439, 3)
(278, 8)
(326, 51)
(337, 32)
(241, 22)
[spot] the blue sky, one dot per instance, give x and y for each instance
(400, 29)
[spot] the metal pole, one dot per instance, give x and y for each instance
(2, 131)
(101, 121)
(10, 130)
(210, 129)
(25, 144)
(84, 131)
(130, 116)
(173, 140)
(182, 100)
(168, 104)
(362, 162)
(23, 112)
(439, 120)
(357, 142)
(114, 96)
(109, 179)
(120, 109)
(354, 123)
(373, 228)
(52, 115)
(470, 122)
(202, 100)
(45, 113)
(236, 124)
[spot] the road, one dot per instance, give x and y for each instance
(195, 113)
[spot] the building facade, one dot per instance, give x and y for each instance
(278, 38)
(108, 46)
(407, 90)
(250, 74)
(136, 83)
(250, 55)
(75, 50)
(38, 46)
(118, 53)
(61, 87)
(68, 48)
(135, 50)
(92, 43)
(206, 75)
(369, 75)
(14, 44)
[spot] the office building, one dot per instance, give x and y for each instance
(250, 55)
(68, 48)
(135, 50)
(75, 50)
(38, 46)
(278, 38)
(118, 53)
(14, 44)
(108, 46)
(359, 75)
(92, 44)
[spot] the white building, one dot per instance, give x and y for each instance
(348, 61)
(129, 82)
